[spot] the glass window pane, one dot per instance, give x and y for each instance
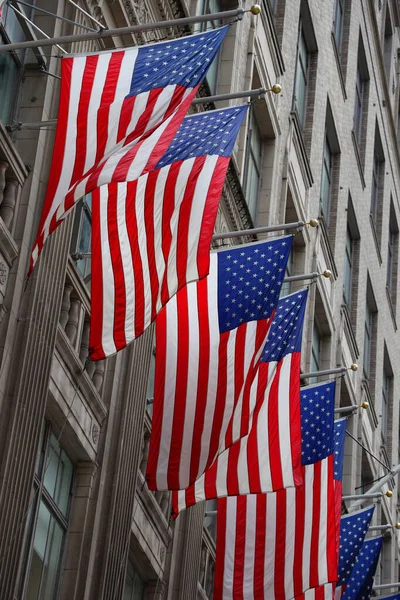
(52, 560)
(9, 77)
(135, 587)
(338, 23)
(348, 266)
(38, 554)
(210, 521)
(58, 476)
(51, 466)
(300, 94)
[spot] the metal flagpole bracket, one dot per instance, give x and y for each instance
(351, 409)
(104, 33)
(336, 371)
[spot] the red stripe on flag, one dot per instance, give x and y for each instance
(295, 418)
(273, 438)
(203, 375)
(167, 212)
(158, 413)
(260, 546)
(315, 529)
(149, 225)
(240, 547)
(96, 317)
(82, 117)
(125, 118)
(107, 97)
(182, 369)
(210, 214)
(117, 266)
(220, 400)
(331, 525)
(280, 546)
(184, 220)
(299, 541)
(232, 477)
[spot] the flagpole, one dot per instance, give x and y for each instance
(106, 33)
(226, 235)
(378, 485)
(337, 370)
(368, 495)
(385, 586)
(384, 527)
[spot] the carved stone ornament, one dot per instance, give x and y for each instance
(3, 273)
(95, 433)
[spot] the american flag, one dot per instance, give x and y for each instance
(118, 113)
(268, 458)
(279, 545)
(209, 339)
(152, 236)
(362, 576)
(353, 529)
(322, 592)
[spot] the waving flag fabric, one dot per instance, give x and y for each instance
(279, 545)
(353, 529)
(118, 113)
(152, 236)
(209, 339)
(268, 458)
(323, 592)
(361, 581)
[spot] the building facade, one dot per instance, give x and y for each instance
(76, 518)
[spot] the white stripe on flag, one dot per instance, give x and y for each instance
(230, 545)
(250, 547)
(284, 421)
(308, 520)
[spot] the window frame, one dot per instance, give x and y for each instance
(328, 157)
(359, 101)
(41, 496)
(348, 260)
(376, 173)
(368, 324)
(256, 162)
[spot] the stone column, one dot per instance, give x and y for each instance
(84, 474)
(124, 440)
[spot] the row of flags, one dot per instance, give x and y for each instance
(230, 421)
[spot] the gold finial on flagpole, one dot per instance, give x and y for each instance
(255, 9)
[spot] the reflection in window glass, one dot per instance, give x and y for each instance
(348, 269)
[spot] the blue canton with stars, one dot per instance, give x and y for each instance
(286, 329)
(250, 280)
(317, 403)
(353, 529)
(183, 61)
(210, 133)
(339, 437)
(362, 576)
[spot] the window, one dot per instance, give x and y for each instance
(210, 520)
(367, 341)
(370, 326)
(361, 98)
(375, 187)
(48, 520)
(326, 181)
(135, 587)
(388, 45)
(301, 78)
(377, 184)
(358, 106)
(11, 63)
(82, 238)
(316, 349)
(348, 269)
(150, 384)
(392, 257)
(338, 24)
(205, 7)
(252, 174)
(385, 403)
(273, 5)
(286, 286)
